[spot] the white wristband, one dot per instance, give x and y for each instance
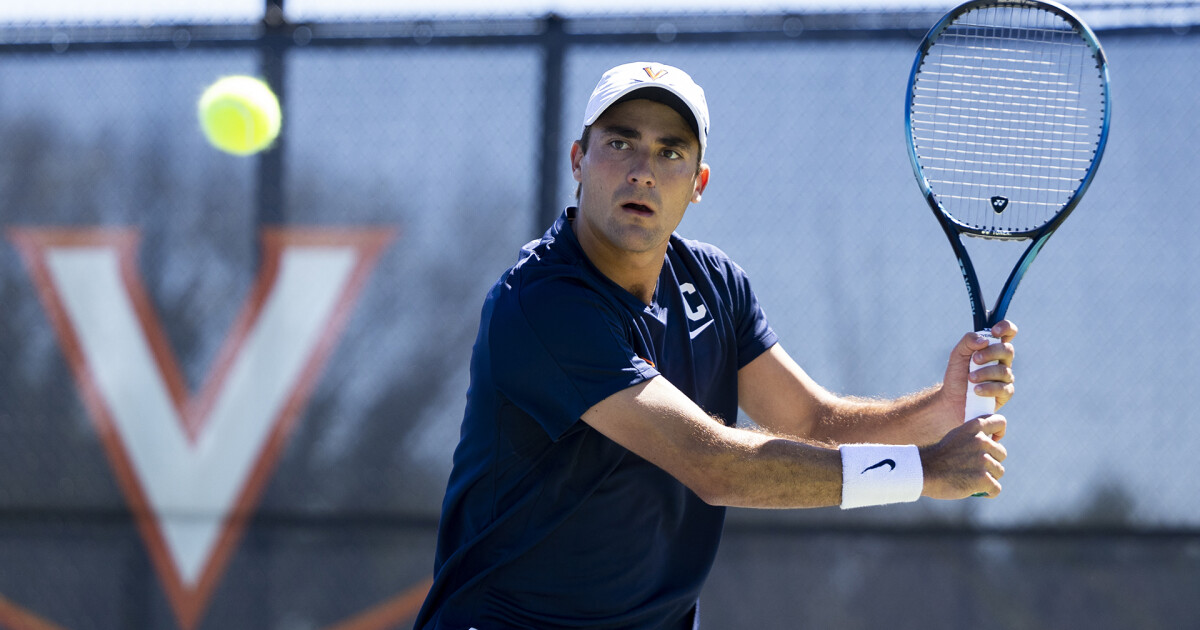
(878, 474)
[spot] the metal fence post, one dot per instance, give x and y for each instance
(553, 45)
(272, 49)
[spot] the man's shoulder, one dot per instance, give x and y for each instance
(711, 258)
(543, 271)
(547, 286)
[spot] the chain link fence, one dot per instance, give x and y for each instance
(429, 151)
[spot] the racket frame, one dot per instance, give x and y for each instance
(954, 229)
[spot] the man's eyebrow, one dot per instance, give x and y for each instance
(623, 131)
(674, 141)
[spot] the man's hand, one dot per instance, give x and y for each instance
(995, 381)
(966, 461)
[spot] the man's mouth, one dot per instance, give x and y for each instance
(639, 209)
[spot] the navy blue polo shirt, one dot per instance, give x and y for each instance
(546, 522)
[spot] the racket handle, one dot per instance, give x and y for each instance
(980, 405)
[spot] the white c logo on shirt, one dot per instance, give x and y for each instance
(693, 314)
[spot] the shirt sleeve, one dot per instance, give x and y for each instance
(558, 348)
(754, 332)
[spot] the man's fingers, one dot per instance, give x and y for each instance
(1005, 330)
(994, 488)
(994, 467)
(999, 373)
(993, 454)
(1002, 352)
(996, 450)
(968, 460)
(993, 426)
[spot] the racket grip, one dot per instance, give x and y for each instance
(980, 405)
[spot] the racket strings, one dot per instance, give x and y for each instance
(1004, 122)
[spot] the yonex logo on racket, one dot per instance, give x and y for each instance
(999, 203)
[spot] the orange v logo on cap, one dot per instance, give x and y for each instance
(654, 74)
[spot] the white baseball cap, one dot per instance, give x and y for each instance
(666, 84)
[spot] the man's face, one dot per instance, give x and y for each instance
(637, 176)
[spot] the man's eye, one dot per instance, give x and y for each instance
(619, 144)
(672, 154)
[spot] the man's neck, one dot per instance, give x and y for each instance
(636, 272)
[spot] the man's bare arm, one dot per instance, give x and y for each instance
(779, 396)
(738, 467)
(722, 465)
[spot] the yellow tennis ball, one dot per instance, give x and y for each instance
(240, 115)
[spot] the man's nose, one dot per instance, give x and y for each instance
(640, 172)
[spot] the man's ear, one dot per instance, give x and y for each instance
(701, 182)
(576, 158)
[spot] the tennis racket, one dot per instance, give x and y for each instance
(1007, 118)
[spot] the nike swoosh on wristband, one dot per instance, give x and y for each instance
(888, 462)
(693, 333)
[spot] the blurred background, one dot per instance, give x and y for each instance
(154, 292)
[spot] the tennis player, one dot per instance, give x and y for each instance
(598, 449)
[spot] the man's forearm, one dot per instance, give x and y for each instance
(913, 419)
(744, 468)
